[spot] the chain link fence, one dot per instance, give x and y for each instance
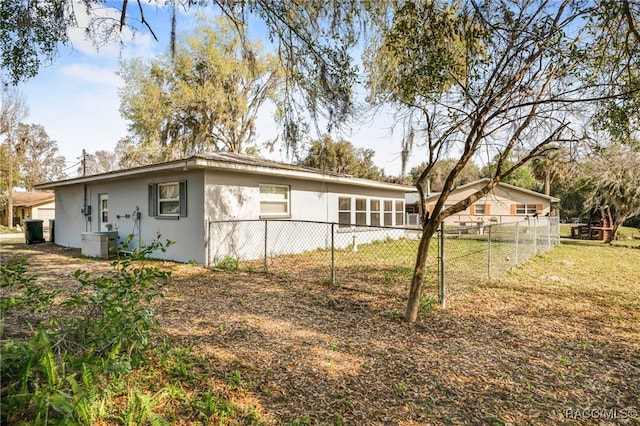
(377, 259)
(472, 255)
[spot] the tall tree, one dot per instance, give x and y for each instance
(37, 158)
(31, 31)
(551, 167)
(204, 97)
(619, 33)
(614, 178)
(522, 177)
(314, 41)
(468, 76)
(12, 112)
(499, 77)
(129, 154)
(341, 156)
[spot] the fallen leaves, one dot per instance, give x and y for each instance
(520, 349)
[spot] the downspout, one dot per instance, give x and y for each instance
(84, 208)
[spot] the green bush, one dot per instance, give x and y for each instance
(60, 374)
(111, 316)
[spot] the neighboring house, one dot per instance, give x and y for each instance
(30, 205)
(178, 199)
(504, 204)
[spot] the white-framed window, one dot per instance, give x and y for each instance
(479, 209)
(361, 211)
(388, 213)
(375, 212)
(168, 199)
(344, 212)
(399, 213)
(275, 200)
(526, 209)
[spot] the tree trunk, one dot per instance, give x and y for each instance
(547, 182)
(10, 192)
(612, 234)
(417, 281)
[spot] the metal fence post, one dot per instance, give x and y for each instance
(549, 233)
(443, 287)
(266, 267)
(517, 236)
(535, 237)
(489, 255)
(208, 243)
(333, 255)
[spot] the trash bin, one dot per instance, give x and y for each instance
(52, 230)
(33, 231)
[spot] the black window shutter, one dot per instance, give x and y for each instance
(183, 198)
(153, 199)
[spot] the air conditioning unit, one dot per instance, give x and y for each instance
(99, 244)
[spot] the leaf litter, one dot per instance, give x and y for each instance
(520, 349)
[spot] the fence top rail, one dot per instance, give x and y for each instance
(352, 226)
(341, 225)
(527, 222)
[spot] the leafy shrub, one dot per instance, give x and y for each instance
(59, 375)
(21, 291)
(45, 388)
(112, 314)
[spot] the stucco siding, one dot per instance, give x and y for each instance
(224, 187)
(235, 197)
(127, 197)
(70, 222)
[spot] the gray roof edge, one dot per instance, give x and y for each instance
(231, 162)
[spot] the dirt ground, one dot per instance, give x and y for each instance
(538, 346)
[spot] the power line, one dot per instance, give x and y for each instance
(71, 167)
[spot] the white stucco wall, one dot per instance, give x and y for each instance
(127, 196)
(236, 197)
(215, 195)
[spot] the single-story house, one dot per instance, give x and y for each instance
(30, 205)
(179, 199)
(504, 204)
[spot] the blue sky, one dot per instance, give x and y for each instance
(76, 98)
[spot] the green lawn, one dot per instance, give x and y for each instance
(386, 266)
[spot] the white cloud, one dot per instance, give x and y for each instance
(92, 73)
